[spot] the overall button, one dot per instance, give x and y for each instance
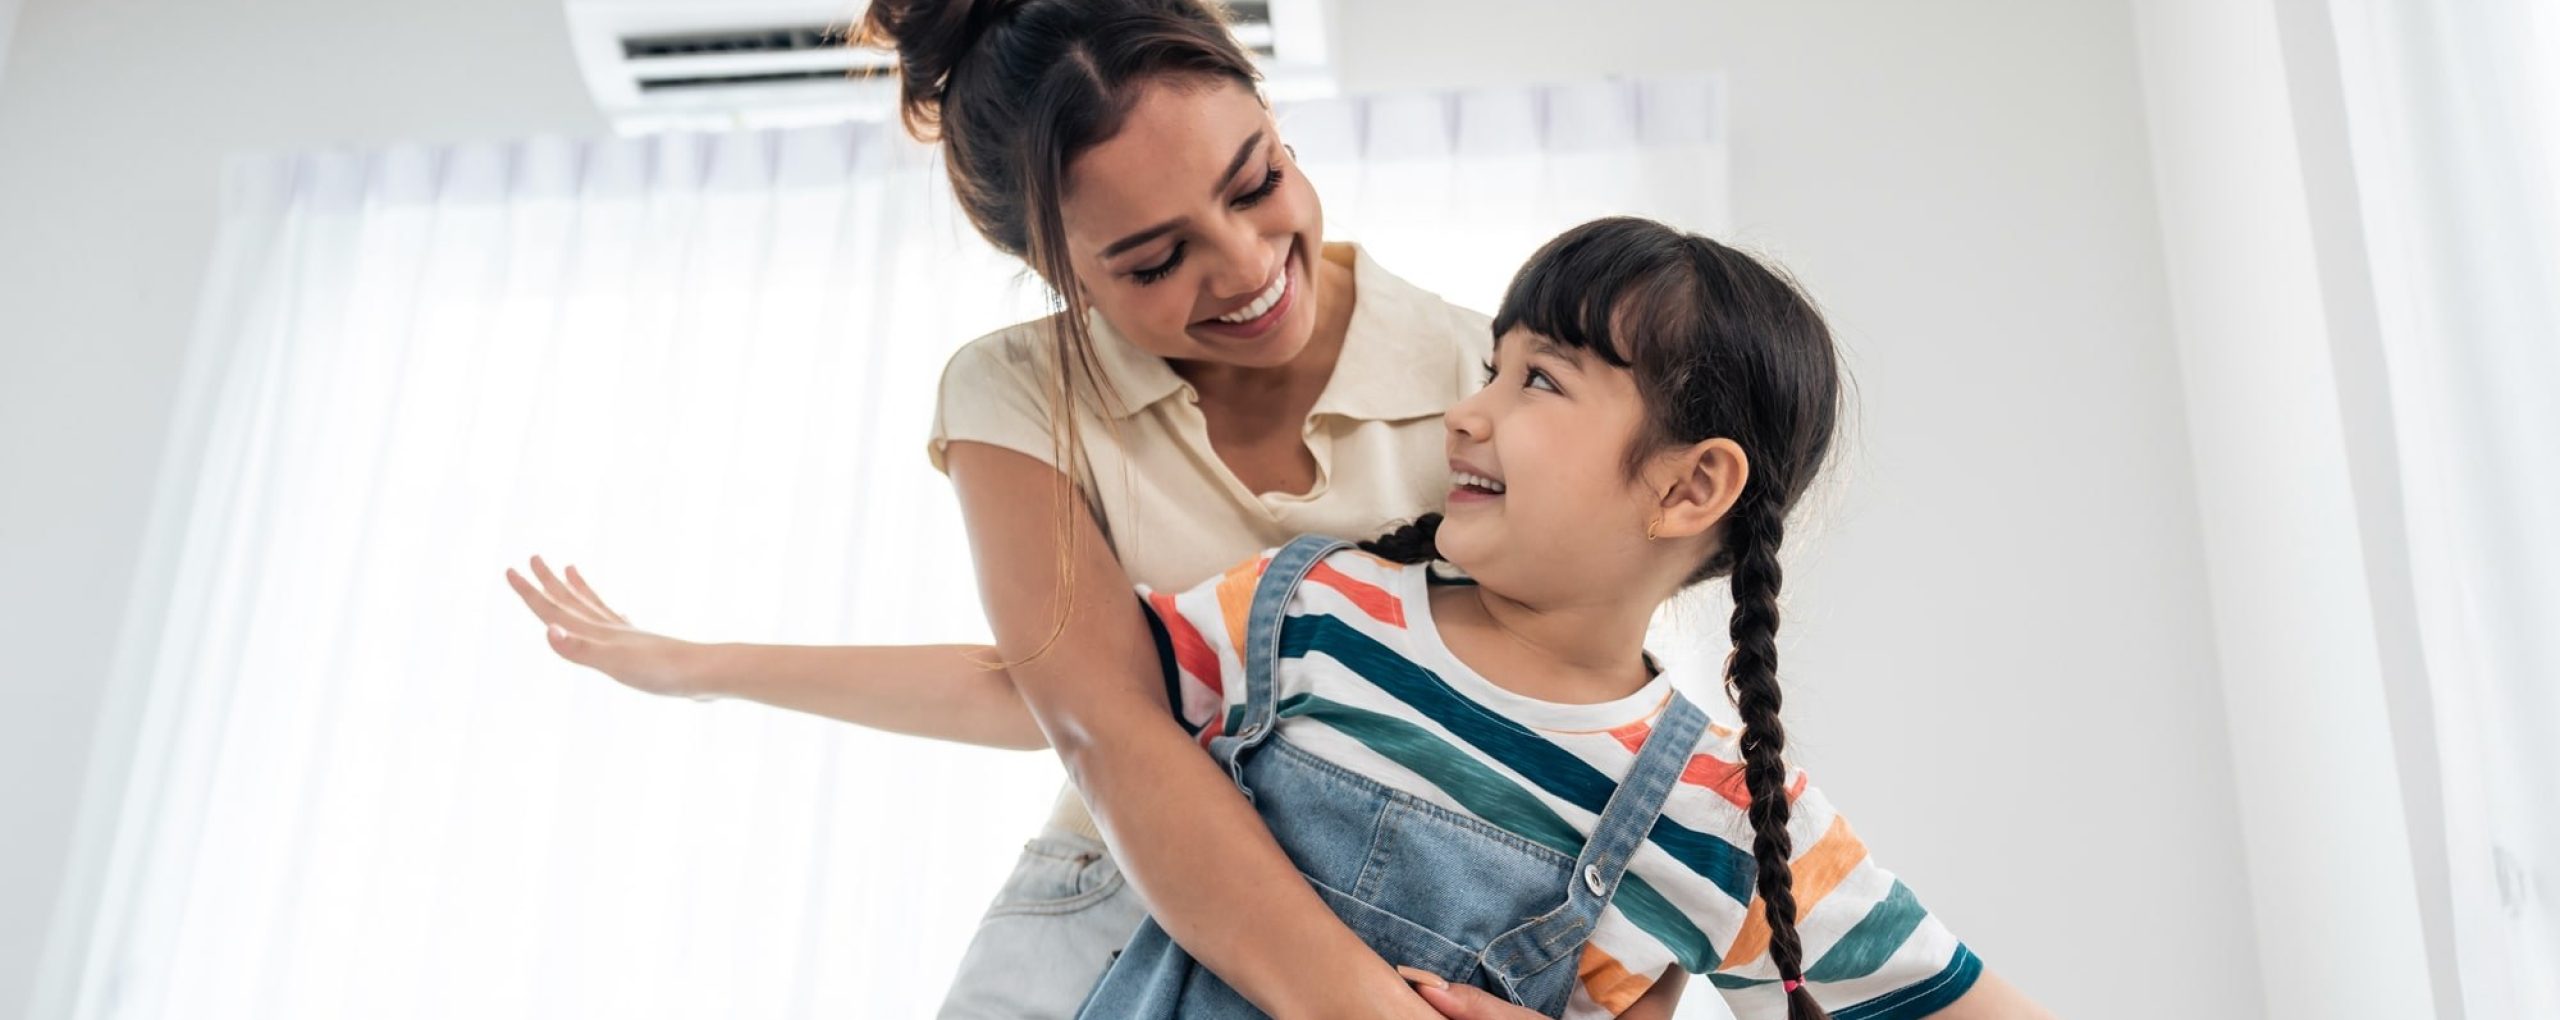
(1591, 878)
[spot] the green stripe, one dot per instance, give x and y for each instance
(1911, 1002)
(1559, 772)
(1921, 998)
(1490, 796)
(1865, 948)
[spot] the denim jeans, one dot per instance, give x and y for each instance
(1049, 935)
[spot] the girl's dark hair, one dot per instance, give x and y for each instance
(1015, 90)
(1720, 345)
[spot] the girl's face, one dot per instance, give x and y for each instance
(1192, 231)
(1537, 462)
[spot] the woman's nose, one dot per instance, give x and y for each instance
(1244, 265)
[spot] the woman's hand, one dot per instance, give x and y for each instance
(1463, 1002)
(583, 630)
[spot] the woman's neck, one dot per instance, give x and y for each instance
(1574, 654)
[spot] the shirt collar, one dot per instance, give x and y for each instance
(1398, 360)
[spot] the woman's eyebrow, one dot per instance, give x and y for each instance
(1243, 152)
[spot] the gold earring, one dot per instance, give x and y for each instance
(1649, 529)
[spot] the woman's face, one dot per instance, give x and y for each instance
(1193, 232)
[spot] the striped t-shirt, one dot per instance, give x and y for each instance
(1375, 665)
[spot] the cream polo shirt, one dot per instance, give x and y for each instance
(1172, 511)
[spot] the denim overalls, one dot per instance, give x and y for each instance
(1423, 885)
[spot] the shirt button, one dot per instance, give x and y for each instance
(1591, 878)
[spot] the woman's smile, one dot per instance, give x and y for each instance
(1261, 315)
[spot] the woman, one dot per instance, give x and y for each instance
(1219, 381)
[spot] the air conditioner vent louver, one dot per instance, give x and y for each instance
(714, 64)
(649, 85)
(767, 40)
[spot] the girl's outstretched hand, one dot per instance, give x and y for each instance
(583, 630)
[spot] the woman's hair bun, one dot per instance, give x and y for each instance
(930, 37)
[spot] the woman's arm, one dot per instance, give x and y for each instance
(947, 692)
(1203, 861)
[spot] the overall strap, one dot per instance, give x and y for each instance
(1280, 579)
(1623, 828)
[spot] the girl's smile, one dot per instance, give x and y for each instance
(1469, 483)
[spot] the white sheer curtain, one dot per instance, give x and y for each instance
(2453, 111)
(351, 780)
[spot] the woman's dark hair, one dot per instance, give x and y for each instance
(1720, 346)
(1015, 90)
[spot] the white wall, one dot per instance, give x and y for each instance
(2002, 655)
(8, 21)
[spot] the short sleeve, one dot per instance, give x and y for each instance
(993, 391)
(1871, 949)
(1200, 636)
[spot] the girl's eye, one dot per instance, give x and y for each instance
(1162, 269)
(1270, 183)
(1536, 376)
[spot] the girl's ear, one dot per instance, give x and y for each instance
(1701, 482)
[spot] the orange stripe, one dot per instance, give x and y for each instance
(1235, 599)
(1610, 983)
(1709, 771)
(1371, 599)
(1190, 651)
(1816, 874)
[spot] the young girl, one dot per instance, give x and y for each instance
(1489, 779)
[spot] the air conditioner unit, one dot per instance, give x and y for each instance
(659, 65)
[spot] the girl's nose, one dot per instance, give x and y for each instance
(1467, 419)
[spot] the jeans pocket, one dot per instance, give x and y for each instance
(1057, 876)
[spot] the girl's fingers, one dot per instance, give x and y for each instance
(560, 594)
(535, 600)
(570, 646)
(594, 600)
(551, 583)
